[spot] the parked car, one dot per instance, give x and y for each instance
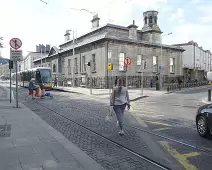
(204, 120)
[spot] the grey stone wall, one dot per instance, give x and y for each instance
(132, 51)
(99, 52)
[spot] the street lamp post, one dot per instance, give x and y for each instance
(161, 55)
(73, 41)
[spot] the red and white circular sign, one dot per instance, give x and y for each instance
(15, 43)
(127, 61)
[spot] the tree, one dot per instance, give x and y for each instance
(1, 44)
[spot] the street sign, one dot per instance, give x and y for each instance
(160, 67)
(127, 61)
(16, 55)
(15, 43)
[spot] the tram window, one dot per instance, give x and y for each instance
(38, 77)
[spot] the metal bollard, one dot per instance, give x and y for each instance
(209, 94)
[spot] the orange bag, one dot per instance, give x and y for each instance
(37, 94)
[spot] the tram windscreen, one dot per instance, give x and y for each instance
(44, 76)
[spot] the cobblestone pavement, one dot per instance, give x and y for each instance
(91, 113)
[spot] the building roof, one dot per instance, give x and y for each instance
(191, 43)
(96, 30)
(109, 37)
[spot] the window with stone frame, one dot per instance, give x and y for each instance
(155, 64)
(54, 68)
(122, 57)
(69, 66)
(94, 62)
(75, 66)
(83, 64)
(172, 65)
(139, 60)
(150, 19)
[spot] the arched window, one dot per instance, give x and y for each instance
(150, 19)
(145, 20)
(54, 68)
(155, 19)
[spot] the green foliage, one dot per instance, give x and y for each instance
(1, 44)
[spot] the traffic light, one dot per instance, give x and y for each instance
(145, 65)
(110, 66)
(10, 64)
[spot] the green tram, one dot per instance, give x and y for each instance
(42, 75)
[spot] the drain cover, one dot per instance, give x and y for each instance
(5, 130)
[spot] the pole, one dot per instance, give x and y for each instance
(142, 78)
(45, 56)
(16, 84)
(10, 83)
(209, 94)
(126, 78)
(73, 84)
(161, 55)
(91, 66)
(41, 58)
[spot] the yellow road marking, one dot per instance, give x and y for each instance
(181, 158)
(160, 129)
(140, 121)
(192, 154)
(138, 112)
(159, 123)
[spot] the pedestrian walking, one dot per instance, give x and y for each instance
(31, 89)
(151, 83)
(116, 80)
(119, 101)
(55, 82)
(179, 83)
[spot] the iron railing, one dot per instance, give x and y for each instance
(168, 82)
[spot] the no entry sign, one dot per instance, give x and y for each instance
(15, 43)
(127, 61)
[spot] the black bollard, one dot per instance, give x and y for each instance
(209, 94)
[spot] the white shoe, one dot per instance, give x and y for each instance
(121, 132)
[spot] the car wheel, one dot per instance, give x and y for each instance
(202, 126)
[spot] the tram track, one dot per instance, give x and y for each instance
(184, 143)
(159, 165)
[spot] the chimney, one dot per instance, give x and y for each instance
(133, 31)
(95, 21)
(67, 36)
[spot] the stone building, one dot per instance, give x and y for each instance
(28, 60)
(196, 61)
(112, 44)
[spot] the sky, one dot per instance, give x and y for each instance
(35, 22)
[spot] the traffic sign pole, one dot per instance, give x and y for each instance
(10, 86)
(16, 84)
(127, 62)
(126, 78)
(15, 55)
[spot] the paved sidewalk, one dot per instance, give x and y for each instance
(29, 143)
(135, 94)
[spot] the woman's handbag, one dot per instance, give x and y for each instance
(109, 116)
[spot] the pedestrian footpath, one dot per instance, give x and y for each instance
(135, 94)
(29, 143)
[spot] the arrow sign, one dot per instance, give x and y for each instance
(15, 43)
(127, 61)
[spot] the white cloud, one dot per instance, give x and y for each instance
(34, 24)
(178, 16)
(188, 32)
